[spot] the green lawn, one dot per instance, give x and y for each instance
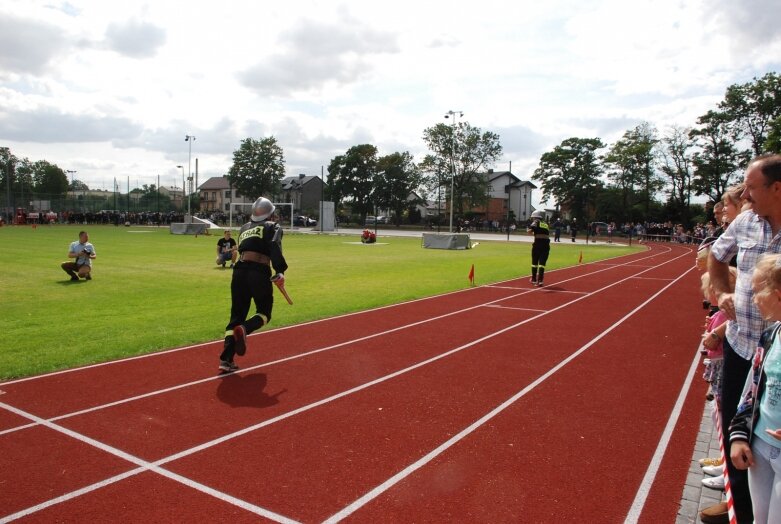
(152, 290)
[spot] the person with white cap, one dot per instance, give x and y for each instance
(260, 248)
(540, 247)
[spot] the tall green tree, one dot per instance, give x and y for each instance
(718, 159)
(78, 185)
(8, 163)
(397, 179)
(22, 179)
(7, 175)
(258, 167)
(631, 164)
(570, 175)
(678, 166)
(752, 107)
(459, 154)
(49, 179)
(352, 178)
(773, 142)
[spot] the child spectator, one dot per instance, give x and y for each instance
(713, 338)
(755, 432)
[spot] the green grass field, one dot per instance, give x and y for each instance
(152, 290)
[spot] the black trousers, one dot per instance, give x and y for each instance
(735, 370)
(250, 282)
(540, 252)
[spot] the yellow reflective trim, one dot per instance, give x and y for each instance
(228, 333)
(256, 231)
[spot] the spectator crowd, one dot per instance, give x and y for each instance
(740, 262)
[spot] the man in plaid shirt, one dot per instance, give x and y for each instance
(750, 235)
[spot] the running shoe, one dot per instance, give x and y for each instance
(228, 367)
(539, 283)
(710, 461)
(534, 282)
(240, 336)
(716, 514)
(714, 482)
(713, 471)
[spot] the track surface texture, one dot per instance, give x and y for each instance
(576, 402)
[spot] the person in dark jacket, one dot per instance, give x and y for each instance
(540, 247)
(260, 248)
(755, 430)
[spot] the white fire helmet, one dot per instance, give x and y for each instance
(262, 209)
(538, 214)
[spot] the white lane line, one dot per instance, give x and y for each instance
(656, 461)
(623, 265)
(143, 466)
(516, 308)
(337, 396)
(292, 326)
(406, 472)
(654, 278)
(552, 289)
(286, 359)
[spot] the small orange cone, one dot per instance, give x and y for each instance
(580, 259)
(472, 275)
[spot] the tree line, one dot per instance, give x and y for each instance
(647, 176)
(643, 176)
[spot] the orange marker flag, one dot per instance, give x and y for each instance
(580, 259)
(472, 275)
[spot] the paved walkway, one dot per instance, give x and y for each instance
(695, 496)
(518, 236)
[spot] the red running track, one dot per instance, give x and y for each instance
(579, 401)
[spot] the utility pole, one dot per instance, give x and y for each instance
(454, 114)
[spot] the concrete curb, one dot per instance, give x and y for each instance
(695, 496)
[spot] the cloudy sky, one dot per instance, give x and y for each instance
(109, 89)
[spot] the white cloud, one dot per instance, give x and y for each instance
(314, 54)
(28, 46)
(113, 87)
(135, 38)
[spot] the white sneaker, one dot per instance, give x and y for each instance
(713, 471)
(714, 482)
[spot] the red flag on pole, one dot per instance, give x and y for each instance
(580, 259)
(472, 275)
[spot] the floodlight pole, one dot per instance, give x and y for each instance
(454, 114)
(182, 168)
(73, 189)
(189, 139)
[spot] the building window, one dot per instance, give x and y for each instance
(228, 193)
(227, 207)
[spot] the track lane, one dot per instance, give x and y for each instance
(596, 425)
(331, 447)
